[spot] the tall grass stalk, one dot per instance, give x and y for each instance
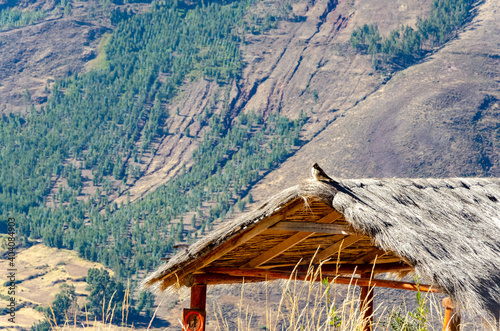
(154, 315)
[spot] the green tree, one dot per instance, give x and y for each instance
(64, 305)
(145, 302)
(65, 300)
(106, 294)
(405, 46)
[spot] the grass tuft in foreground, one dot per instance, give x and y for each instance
(310, 305)
(313, 306)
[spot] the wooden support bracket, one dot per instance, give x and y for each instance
(312, 227)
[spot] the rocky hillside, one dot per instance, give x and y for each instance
(305, 65)
(437, 118)
(61, 43)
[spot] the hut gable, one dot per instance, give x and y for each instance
(446, 230)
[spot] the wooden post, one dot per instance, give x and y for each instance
(198, 297)
(451, 317)
(194, 317)
(366, 305)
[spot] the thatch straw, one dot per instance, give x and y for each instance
(447, 229)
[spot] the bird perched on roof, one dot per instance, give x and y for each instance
(319, 174)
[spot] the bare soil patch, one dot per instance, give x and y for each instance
(41, 270)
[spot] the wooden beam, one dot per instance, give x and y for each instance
(198, 297)
(290, 242)
(326, 269)
(230, 244)
(367, 257)
(330, 218)
(329, 251)
(263, 273)
(386, 283)
(219, 279)
(336, 215)
(329, 269)
(386, 265)
(311, 227)
(388, 259)
(270, 274)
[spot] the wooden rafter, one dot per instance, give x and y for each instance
(232, 243)
(312, 227)
(291, 241)
(278, 249)
(327, 270)
(334, 249)
(367, 257)
(388, 259)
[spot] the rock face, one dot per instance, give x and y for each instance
(309, 66)
(172, 151)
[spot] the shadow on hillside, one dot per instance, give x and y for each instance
(143, 322)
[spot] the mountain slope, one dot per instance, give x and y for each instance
(437, 118)
(304, 65)
(33, 56)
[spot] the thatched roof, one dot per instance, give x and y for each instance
(448, 230)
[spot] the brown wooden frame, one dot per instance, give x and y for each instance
(235, 275)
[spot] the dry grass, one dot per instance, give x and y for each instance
(304, 305)
(313, 306)
(108, 313)
(41, 270)
(100, 61)
(310, 305)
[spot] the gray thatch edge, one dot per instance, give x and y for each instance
(448, 229)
